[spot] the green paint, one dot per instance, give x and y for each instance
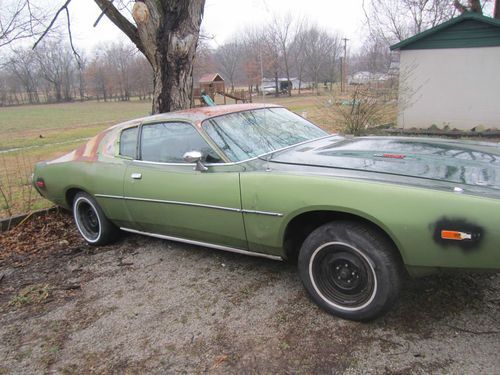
(466, 31)
(403, 197)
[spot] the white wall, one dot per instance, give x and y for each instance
(459, 87)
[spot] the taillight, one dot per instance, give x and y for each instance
(40, 183)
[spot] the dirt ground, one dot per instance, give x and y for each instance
(157, 307)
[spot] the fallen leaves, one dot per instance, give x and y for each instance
(39, 236)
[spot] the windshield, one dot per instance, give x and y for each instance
(248, 134)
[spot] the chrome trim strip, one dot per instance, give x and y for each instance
(183, 203)
(160, 163)
(277, 214)
(109, 196)
(205, 244)
(262, 213)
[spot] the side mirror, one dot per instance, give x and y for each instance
(195, 157)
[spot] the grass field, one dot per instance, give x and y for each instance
(23, 125)
(33, 133)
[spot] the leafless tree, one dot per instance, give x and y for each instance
(97, 78)
(119, 59)
(50, 74)
(229, 58)
(333, 56)
(472, 6)
(374, 56)
(252, 46)
(280, 37)
(19, 19)
(166, 32)
(23, 66)
(204, 61)
(362, 110)
(56, 66)
(81, 76)
(396, 20)
(319, 45)
(297, 47)
(141, 77)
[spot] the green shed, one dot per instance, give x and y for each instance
(450, 75)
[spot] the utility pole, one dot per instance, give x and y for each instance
(341, 74)
(261, 74)
(344, 67)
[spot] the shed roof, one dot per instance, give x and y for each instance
(465, 31)
(210, 77)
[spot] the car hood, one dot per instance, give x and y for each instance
(460, 162)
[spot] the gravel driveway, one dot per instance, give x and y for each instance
(157, 307)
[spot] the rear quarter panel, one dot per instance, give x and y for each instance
(91, 177)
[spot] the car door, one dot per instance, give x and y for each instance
(167, 196)
(107, 175)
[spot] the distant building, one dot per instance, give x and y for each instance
(363, 78)
(211, 83)
(450, 75)
(270, 83)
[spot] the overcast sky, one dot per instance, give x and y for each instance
(225, 18)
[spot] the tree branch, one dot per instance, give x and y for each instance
(65, 6)
(121, 22)
(77, 56)
(103, 13)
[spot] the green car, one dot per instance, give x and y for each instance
(357, 214)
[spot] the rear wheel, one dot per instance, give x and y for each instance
(350, 270)
(91, 222)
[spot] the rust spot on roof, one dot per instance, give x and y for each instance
(90, 150)
(197, 115)
(221, 109)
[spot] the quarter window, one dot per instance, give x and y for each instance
(128, 142)
(168, 142)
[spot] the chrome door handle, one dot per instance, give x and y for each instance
(136, 176)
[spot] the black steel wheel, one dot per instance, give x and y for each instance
(350, 270)
(91, 222)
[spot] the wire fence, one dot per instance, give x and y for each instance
(17, 194)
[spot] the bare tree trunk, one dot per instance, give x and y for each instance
(81, 85)
(276, 85)
(167, 34)
(287, 71)
(300, 71)
(473, 6)
(496, 11)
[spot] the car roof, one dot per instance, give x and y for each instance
(196, 115)
(104, 142)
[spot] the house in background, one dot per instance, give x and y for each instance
(450, 75)
(363, 78)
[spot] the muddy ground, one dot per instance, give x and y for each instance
(150, 306)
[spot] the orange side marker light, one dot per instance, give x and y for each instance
(455, 235)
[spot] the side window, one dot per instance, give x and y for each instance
(128, 142)
(168, 142)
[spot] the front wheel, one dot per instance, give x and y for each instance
(350, 270)
(91, 222)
